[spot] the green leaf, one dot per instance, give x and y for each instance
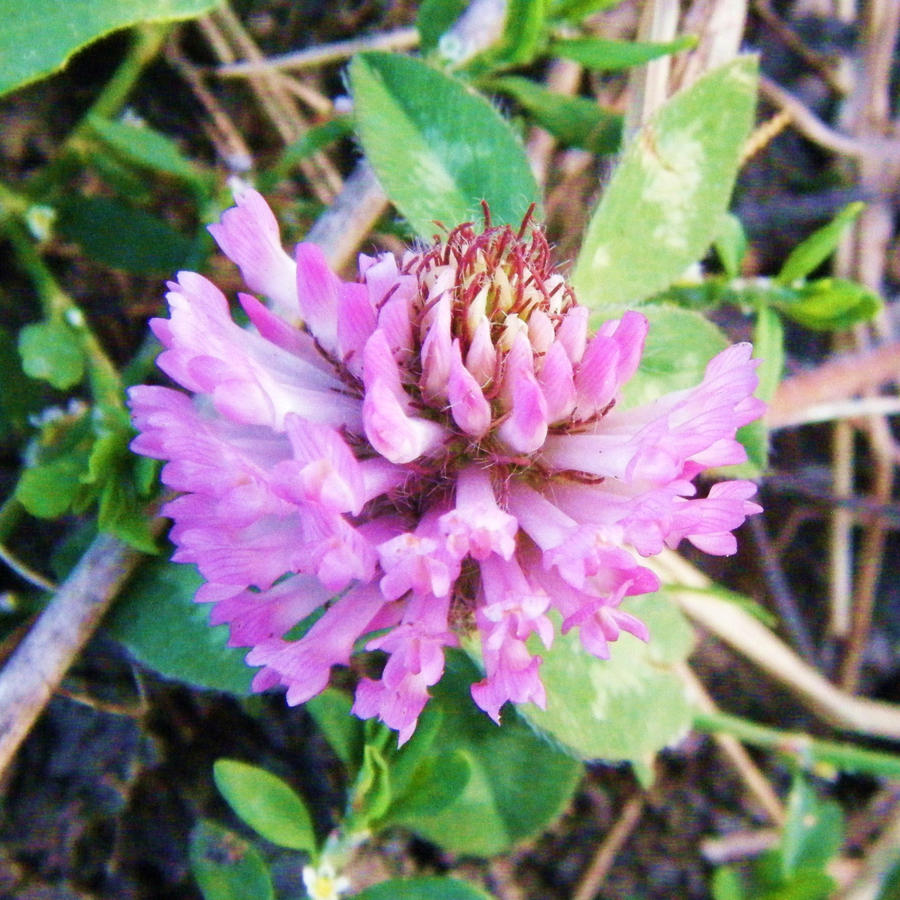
(768, 346)
(21, 397)
(679, 345)
(813, 832)
(437, 149)
(518, 783)
(523, 32)
(312, 141)
(47, 491)
(157, 619)
(432, 888)
(576, 10)
(51, 352)
(117, 474)
(342, 730)
(665, 201)
(121, 237)
(434, 18)
(890, 885)
(57, 461)
(435, 783)
(226, 867)
(39, 36)
(727, 885)
(373, 787)
(731, 244)
(629, 706)
(829, 304)
(811, 253)
(122, 512)
(144, 147)
(606, 55)
(575, 121)
(266, 803)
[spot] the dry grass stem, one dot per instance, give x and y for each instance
(25, 571)
(313, 57)
(838, 380)
(692, 590)
(735, 752)
(606, 853)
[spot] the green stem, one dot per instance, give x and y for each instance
(804, 750)
(11, 513)
(145, 45)
(106, 385)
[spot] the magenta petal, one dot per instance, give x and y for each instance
(525, 426)
(355, 324)
(435, 449)
(317, 292)
(468, 406)
(557, 383)
(249, 235)
(399, 438)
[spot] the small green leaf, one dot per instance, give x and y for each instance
(157, 619)
(403, 761)
(727, 885)
(121, 237)
(576, 10)
(813, 832)
(768, 346)
(373, 790)
(829, 304)
(665, 201)
(437, 149)
(342, 730)
(523, 32)
(435, 783)
(39, 37)
(518, 782)
(890, 884)
(731, 244)
(20, 397)
(51, 352)
(123, 513)
(226, 867)
(312, 141)
(575, 121)
(47, 491)
(432, 888)
(144, 147)
(627, 707)
(606, 55)
(266, 803)
(811, 253)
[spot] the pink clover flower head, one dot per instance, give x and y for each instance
(433, 451)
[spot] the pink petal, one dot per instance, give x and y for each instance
(468, 406)
(249, 235)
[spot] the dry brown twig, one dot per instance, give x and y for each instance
(224, 30)
(692, 591)
(312, 57)
(735, 752)
(862, 256)
(606, 853)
